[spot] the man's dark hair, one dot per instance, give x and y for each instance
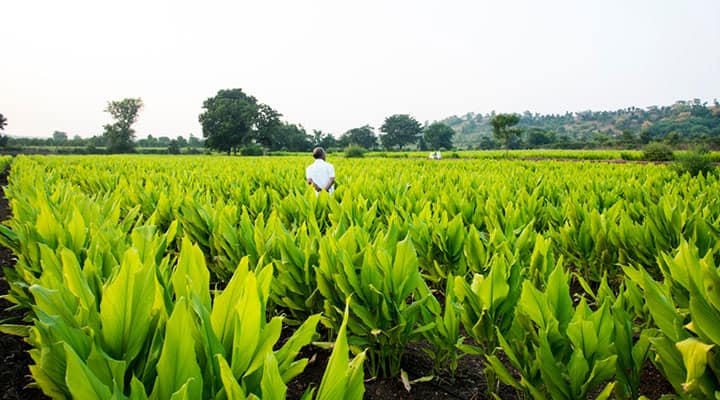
(318, 153)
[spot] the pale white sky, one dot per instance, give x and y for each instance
(336, 65)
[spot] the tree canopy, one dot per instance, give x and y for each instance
(400, 130)
(438, 136)
(363, 136)
(502, 127)
(120, 135)
(233, 119)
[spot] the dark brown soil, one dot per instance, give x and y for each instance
(469, 382)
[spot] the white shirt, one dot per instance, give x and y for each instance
(320, 173)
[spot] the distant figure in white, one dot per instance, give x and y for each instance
(320, 174)
(435, 155)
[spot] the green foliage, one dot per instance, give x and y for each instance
(363, 137)
(343, 379)
(502, 127)
(658, 152)
(354, 151)
(119, 134)
(629, 156)
(695, 162)
(559, 351)
(117, 255)
(684, 122)
(685, 309)
(173, 147)
(438, 136)
(3, 122)
(446, 341)
(389, 297)
(400, 130)
(251, 149)
(232, 119)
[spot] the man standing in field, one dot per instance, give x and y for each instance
(320, 174)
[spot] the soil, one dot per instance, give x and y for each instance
(469, 382)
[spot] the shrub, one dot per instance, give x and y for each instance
(354, 151)
(695, 162)
(658, 152)
(253, 149)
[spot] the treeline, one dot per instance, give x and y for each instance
(683, 123)
(235, 122)
(61, 140)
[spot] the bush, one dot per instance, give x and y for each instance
(695, 162)
(658, 152)
(173, 147)
(253, 149)
(354, 151)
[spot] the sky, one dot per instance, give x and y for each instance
(337, 65)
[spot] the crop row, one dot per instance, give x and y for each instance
(104, 244)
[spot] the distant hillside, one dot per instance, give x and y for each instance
(681, 123)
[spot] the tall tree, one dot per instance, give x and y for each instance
(438, 136)
(228, 119)
(502, 127)
(233, 119)
(400, 130)
(119, 134)
(363, 136)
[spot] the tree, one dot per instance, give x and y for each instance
(194, 141)
(502, 127)
(119, 134)
(233, 119)
(363, 136)
(292, 137)
(266, 129)
(537, 137)
(174, 147)
(3, 138)
(438, 136)
(60, 136)
(400, 130)
(324, 140)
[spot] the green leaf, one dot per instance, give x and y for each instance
(299, 339)
(695, 357)
(223, 310)
(126, 310)
(233, 391)
(16, 330)
(272, 385)
(81, 382)
(191, 274)
(178, 363)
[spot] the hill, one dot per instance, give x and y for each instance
(685, 122)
